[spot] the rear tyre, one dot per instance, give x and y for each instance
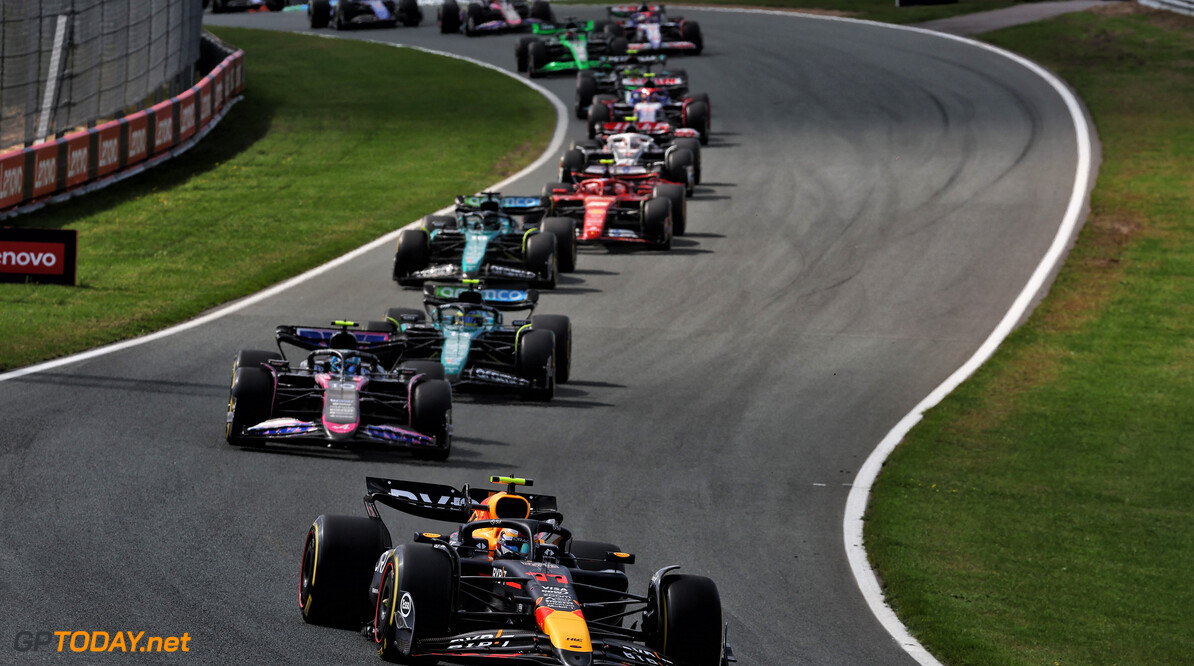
(586, 88)
(599, 114)
(676, 165)
(431, 414)
(694, 147)
(425, 574)
(250, 401)
(541, 259)
(412, 255)
(561, 328)
(571, 160)
(337, 569)
(690, 31)
(275, 5)
(449, 17)
(564, 229)
(319, 13)
(541, 9)
(676, 195)
(696, 116)
(689, 626)
(536, 362)
(409, 13)
(618, 46)
(657, 223)
(254, 358)
(433, 369)
(615, 30)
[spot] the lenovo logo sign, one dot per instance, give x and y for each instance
(40, 258)
(38, 255)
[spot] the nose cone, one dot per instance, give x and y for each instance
(570, 658)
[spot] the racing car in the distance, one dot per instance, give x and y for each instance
(619, 210)
(464, 328)
(483, 17)
(646, 106)
(507, 583)
(649, 30)
(490, 237)
(633, 156)
(572, 46)
(344, 14)
(338, 395)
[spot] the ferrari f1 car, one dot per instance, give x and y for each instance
(649, 30)
(491, 237)
(573, 46)
(483, 17)
(343, 14)
(508, 584)
(463, 327)
(635, 157)
(338, 395)
(618, 210)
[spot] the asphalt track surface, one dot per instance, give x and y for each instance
(873, 201)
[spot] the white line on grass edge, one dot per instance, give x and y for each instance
(557, 141)
(860, 491)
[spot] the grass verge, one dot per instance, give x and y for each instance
(336, 143)
(1040, 514)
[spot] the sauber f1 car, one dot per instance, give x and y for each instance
(491, 237)
(650, 31)
(508, 584)
(463, 327)
(343, 14)
(338, 395)
(575, 45)
(617, 210)
(492, 16)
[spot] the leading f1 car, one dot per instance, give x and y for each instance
(507, 584)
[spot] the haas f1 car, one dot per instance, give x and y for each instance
(491, 16)
(340, 394)
(343, 14)
(634, 156)
(463, 329)
(490, 237)
(508, 584)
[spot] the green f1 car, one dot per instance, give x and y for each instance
(573, 46)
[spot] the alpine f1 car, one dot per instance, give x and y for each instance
(616, 210)
(633, 157)
(491, 237)
(649, 30)
(506, 584)
(343, 14)
(575, 45)
(491, 16)
(463, 327)
(647, 107)
(339, 394)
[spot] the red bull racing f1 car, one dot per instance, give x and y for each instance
(507, 584)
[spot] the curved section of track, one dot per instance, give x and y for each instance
(874, 200)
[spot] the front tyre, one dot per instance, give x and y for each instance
(415, 589)
(412, 254)
(561, 328)
(250, 401)
(431, 415)
(337, 569)
(564, 229)
(536, 362)
(541, 259)
(689, 624)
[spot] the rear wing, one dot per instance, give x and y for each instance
(628, 10)
(504, 298)
(632, 59)
(539, 503)
(432, 501)
(311, 338)
(557, 28)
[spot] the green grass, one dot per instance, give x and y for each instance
(1041, 514)
(873, 10)
(335, 144)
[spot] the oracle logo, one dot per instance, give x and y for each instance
(31, 258)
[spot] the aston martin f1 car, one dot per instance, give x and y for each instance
(483, 17)
(649, 30)
(343, 14)
(339, 394)
(575, 45)
(635, 157)
(507, 584)
(464, 328)
(616, 210)
(490, 237)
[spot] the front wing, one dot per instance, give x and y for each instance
(530, 647)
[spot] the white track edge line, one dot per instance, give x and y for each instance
(557, 142)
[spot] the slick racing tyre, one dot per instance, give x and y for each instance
(690, 31)
(541, 9)
(599, 114)
(676, 164)
(319, 13)
(572, 160)
(409, 13)
(473, 18)
(688, 620)
(431, 414)
(449, 17)
(275, 5)
(586, 88)
(338, 560)
(415, 589)
(253, 358)
(693, 146)
(657, 222)
(433, 369)
(536, 59)
(561, 328)
(676, 195)
(696, 116)
(520, 52)
(541, 259)
(590, 556)
(396, 316)
(619, 46)
(250, 401)
(412, 255)
(536, 362)
(564, 229)
(614, 30)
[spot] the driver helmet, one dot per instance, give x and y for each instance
(627, 148)
(648, 95)
(511, 545)
(486, 222)
(469, 319)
